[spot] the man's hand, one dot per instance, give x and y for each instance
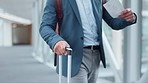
(128, 15)
(60, 48)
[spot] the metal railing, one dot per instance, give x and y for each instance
(111, 58)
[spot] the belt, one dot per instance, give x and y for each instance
(92, 47)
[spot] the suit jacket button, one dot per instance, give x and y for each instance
(82, 38)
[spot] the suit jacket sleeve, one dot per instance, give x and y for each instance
(116, 23)
(47, 27)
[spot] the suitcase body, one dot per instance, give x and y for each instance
(69, 53)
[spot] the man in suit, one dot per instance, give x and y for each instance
(81, 29)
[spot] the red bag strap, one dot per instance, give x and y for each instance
(59, 13)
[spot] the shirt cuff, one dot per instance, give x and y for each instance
(135, 18)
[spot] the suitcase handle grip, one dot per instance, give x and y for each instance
(69, 51)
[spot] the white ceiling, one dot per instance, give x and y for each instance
(21, 8)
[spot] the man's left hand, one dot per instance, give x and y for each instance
(128, 15)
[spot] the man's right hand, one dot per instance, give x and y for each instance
(60, 47)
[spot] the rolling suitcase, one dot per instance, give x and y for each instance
(59, 13)
(69, 53)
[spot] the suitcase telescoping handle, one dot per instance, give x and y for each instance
(69, 53)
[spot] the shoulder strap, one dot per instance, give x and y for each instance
(59, 11)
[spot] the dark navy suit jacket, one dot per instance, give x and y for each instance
(71, 29)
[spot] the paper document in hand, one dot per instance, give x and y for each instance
(114, 7)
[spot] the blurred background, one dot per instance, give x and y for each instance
(25, 57)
